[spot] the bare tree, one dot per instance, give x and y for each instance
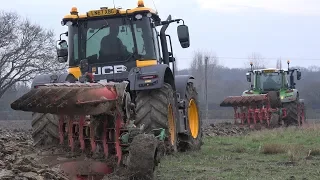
(26, 49)
(198, 70)
(257, 60)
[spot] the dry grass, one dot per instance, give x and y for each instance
(273, 149)
(314, 152)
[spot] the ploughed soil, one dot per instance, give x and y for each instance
(20, 161)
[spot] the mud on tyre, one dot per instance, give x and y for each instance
(157, 109)
(45, 130)
(142, 157)
(193, 140)
(292, 113)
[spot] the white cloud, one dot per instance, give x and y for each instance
(306, 7)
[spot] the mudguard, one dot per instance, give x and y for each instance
(48, 78)
(181, 82)
(161, 72)
(289, 97)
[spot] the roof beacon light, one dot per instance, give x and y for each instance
(140, 3)
(74, 11)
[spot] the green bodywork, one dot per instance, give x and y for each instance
(287, 94)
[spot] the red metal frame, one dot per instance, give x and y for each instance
(258, 109)
(74, 131)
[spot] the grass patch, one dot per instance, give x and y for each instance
(268, 154)
(273, 149)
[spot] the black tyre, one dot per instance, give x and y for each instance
(142, 157)
(45, 130)
(157, 109)
(292, 113)
(193, 141)
(275, 101)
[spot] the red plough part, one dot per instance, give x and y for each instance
(90, 122)
(253, 109)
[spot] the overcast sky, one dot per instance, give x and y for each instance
(232, 29)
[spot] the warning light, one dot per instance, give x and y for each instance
(140, 3)
(288, 61)
(251, 63)
(74, 10)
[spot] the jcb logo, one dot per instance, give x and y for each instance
(109, 69)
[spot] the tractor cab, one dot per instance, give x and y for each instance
(107, 43)
(269, 80)
(272, 79)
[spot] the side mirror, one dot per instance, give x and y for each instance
(298, 75)
(248, 77)
(62, 51)
(183, 35)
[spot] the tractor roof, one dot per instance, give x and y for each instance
(268, 70)
(110, 12)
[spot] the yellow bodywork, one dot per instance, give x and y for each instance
(75, 71)
(144, 63)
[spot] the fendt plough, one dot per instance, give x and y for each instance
(272, 100)
(121, 104)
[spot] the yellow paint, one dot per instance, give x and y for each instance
(140, 3)
(102, 12)
(119, 11)
(171, 123)
(75, 71)
(193, 117)
(144, 63)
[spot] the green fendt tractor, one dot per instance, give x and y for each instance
(272, 98)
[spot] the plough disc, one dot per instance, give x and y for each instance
(72, 98)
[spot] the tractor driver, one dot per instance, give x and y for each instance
(111, 47)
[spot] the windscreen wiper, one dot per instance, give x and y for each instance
(102, 27)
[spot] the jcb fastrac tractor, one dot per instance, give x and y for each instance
(121, 98)
(271, 101)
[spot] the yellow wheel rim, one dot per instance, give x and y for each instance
(171, 124)
(193, 117)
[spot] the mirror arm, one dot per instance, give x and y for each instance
(171, 21)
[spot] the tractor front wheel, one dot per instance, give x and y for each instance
(192, 141)
(292, 113)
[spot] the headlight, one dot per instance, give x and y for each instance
(139, 16)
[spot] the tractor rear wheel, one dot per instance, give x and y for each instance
(157, 109)
(193, 141)
(45, 130)
(292, 113)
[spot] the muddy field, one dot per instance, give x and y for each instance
(19, 160)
